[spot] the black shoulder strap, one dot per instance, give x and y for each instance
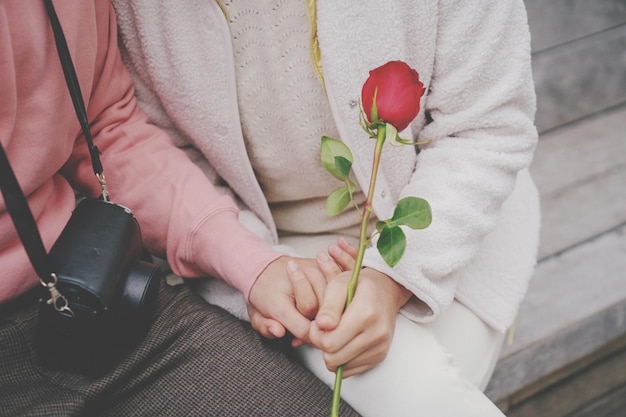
(14, 198)
(73, 86)
(23, 219)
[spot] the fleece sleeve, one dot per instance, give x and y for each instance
(481, 133)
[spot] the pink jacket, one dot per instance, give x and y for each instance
(180, 213)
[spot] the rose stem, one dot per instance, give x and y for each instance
(367, 209)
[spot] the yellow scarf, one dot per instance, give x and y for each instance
(314, 45)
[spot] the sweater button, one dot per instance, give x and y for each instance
(353, 103)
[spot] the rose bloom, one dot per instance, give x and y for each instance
(398, 92)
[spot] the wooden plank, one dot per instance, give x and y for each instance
(580, 171)
(571, 287)
(559, 21)
(611, 405)
(587, 387)
(569, 370)
(577, 300)
(568, 156)
(576, 304)
(580, 213)
(530, 365)
(581, 78)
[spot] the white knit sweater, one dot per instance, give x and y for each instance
(474, 59)
(284, 112)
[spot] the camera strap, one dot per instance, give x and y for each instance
(16, 203)
(77, 98)
(26, 227)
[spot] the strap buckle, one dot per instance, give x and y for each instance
(57, 300)
(103, 186)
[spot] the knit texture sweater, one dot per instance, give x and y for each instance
(284, 113)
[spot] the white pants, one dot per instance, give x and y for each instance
(436, 370)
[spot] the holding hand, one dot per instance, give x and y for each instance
(359, 337)
(300, 290)
(286, 296)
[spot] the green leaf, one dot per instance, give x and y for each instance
(330, 150)
(413, 212)
(380, 224)
(391, 244)
(343, 166)
(337, 201)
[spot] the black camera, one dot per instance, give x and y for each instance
(110, 286)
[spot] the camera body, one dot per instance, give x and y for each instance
(110, 287)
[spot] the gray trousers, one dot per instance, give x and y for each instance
(196, 360)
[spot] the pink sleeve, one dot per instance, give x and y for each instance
(219, 246)
(180, 212)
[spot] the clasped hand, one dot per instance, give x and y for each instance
(307, 298)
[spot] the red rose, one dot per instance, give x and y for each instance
(398, 92)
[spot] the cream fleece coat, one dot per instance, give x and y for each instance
(474, 59)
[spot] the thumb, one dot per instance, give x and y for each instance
(333, 304)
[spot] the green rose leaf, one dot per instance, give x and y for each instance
(337, 201)
(334, 153)
(413, 212)
(343, 166)
(391, 244)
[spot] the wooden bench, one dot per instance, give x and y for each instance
(569, 346)
(568, 356)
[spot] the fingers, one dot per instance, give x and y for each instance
(328, 266)
(347, 247)
(364, 333)
(292, 320)
(267, 327)
(343, 256)
(272, 295)
(357, 356)
(352, 368)
(334, 301)
(304, 294)
(296, 343)
(314, 274)
(356, 345)
(286, 296)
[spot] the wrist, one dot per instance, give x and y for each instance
(404, 295)
(401, 295)
(271, 269)
(214, 247)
